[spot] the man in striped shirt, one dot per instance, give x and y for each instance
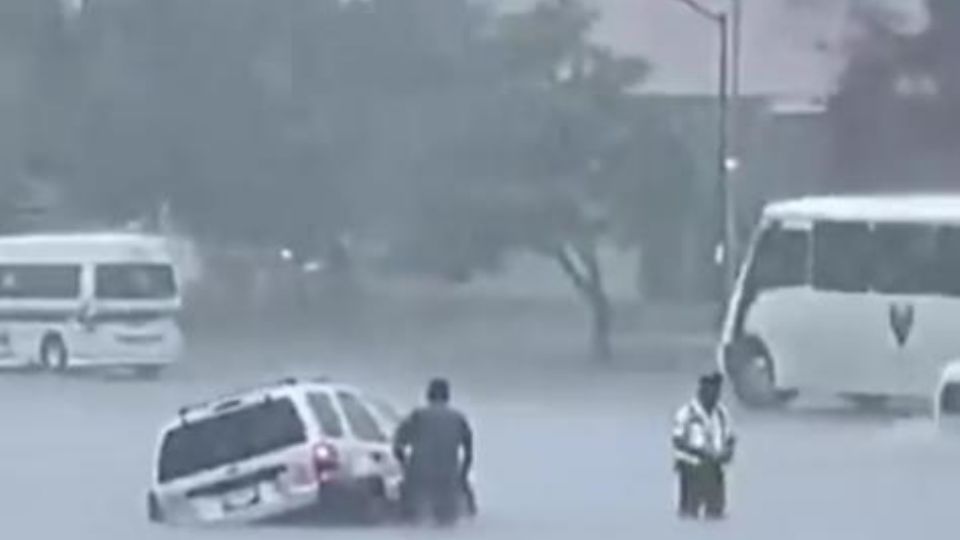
(703, 445)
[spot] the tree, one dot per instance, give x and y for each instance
(895, 115)
(459, 134)
(549, 162)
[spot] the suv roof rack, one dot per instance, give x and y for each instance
(233, 394)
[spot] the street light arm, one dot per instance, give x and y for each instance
(703, 11)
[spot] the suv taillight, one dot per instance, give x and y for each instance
(326, 459)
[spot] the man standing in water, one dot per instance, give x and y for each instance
(435, 446)
(703, 444)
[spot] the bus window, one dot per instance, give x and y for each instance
(947, 272)
(905, 259)
(842, 256)
(781, 259)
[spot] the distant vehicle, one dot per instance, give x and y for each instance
(946, 402)
(292, 449)
(88, 300)
(851, 296)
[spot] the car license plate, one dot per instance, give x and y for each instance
(241, 498)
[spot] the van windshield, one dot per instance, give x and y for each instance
(135, 282)
(229, 438)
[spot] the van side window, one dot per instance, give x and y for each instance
(781, 259)
(327, 416)
(842, 256)
(40, 281)
(905, 259)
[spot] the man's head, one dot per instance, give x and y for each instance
(438, 391)
(708, 390)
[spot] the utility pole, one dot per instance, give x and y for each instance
(726, 229)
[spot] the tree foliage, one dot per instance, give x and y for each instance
(454, 133)
(897, 111)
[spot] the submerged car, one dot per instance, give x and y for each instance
(291, 449)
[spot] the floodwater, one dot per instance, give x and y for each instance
(569, 452)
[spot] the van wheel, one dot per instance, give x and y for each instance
(372, 507)
(752, 372)
(148, 373)
(54, 354)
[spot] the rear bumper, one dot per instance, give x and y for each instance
(330, 499)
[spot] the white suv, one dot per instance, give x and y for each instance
(288, 449)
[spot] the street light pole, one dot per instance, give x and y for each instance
(726, 230)
(727, 225)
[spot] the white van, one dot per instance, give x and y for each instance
(88, 300)
(845, 295)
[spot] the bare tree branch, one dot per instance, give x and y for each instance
(569, 266)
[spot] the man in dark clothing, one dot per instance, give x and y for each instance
(435, 446)
(703, 444)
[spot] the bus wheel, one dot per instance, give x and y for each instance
(53, 353)
(751, 370)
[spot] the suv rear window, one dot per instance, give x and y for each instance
(229, 438)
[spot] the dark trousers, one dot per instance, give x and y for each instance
(431, 499)
(702, 489)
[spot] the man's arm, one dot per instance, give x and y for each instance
(402, 437)
(466, 443)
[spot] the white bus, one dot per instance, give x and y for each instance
(850, 296)
(88, 300)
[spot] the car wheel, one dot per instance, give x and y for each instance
(54, 354)
(372, 506)
(148, 373)
(752, 372)
(154, 511)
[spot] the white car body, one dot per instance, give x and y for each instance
(847, 295)
(88, 300)
(272, 471)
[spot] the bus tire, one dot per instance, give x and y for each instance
(53, 353)
(752, 372)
